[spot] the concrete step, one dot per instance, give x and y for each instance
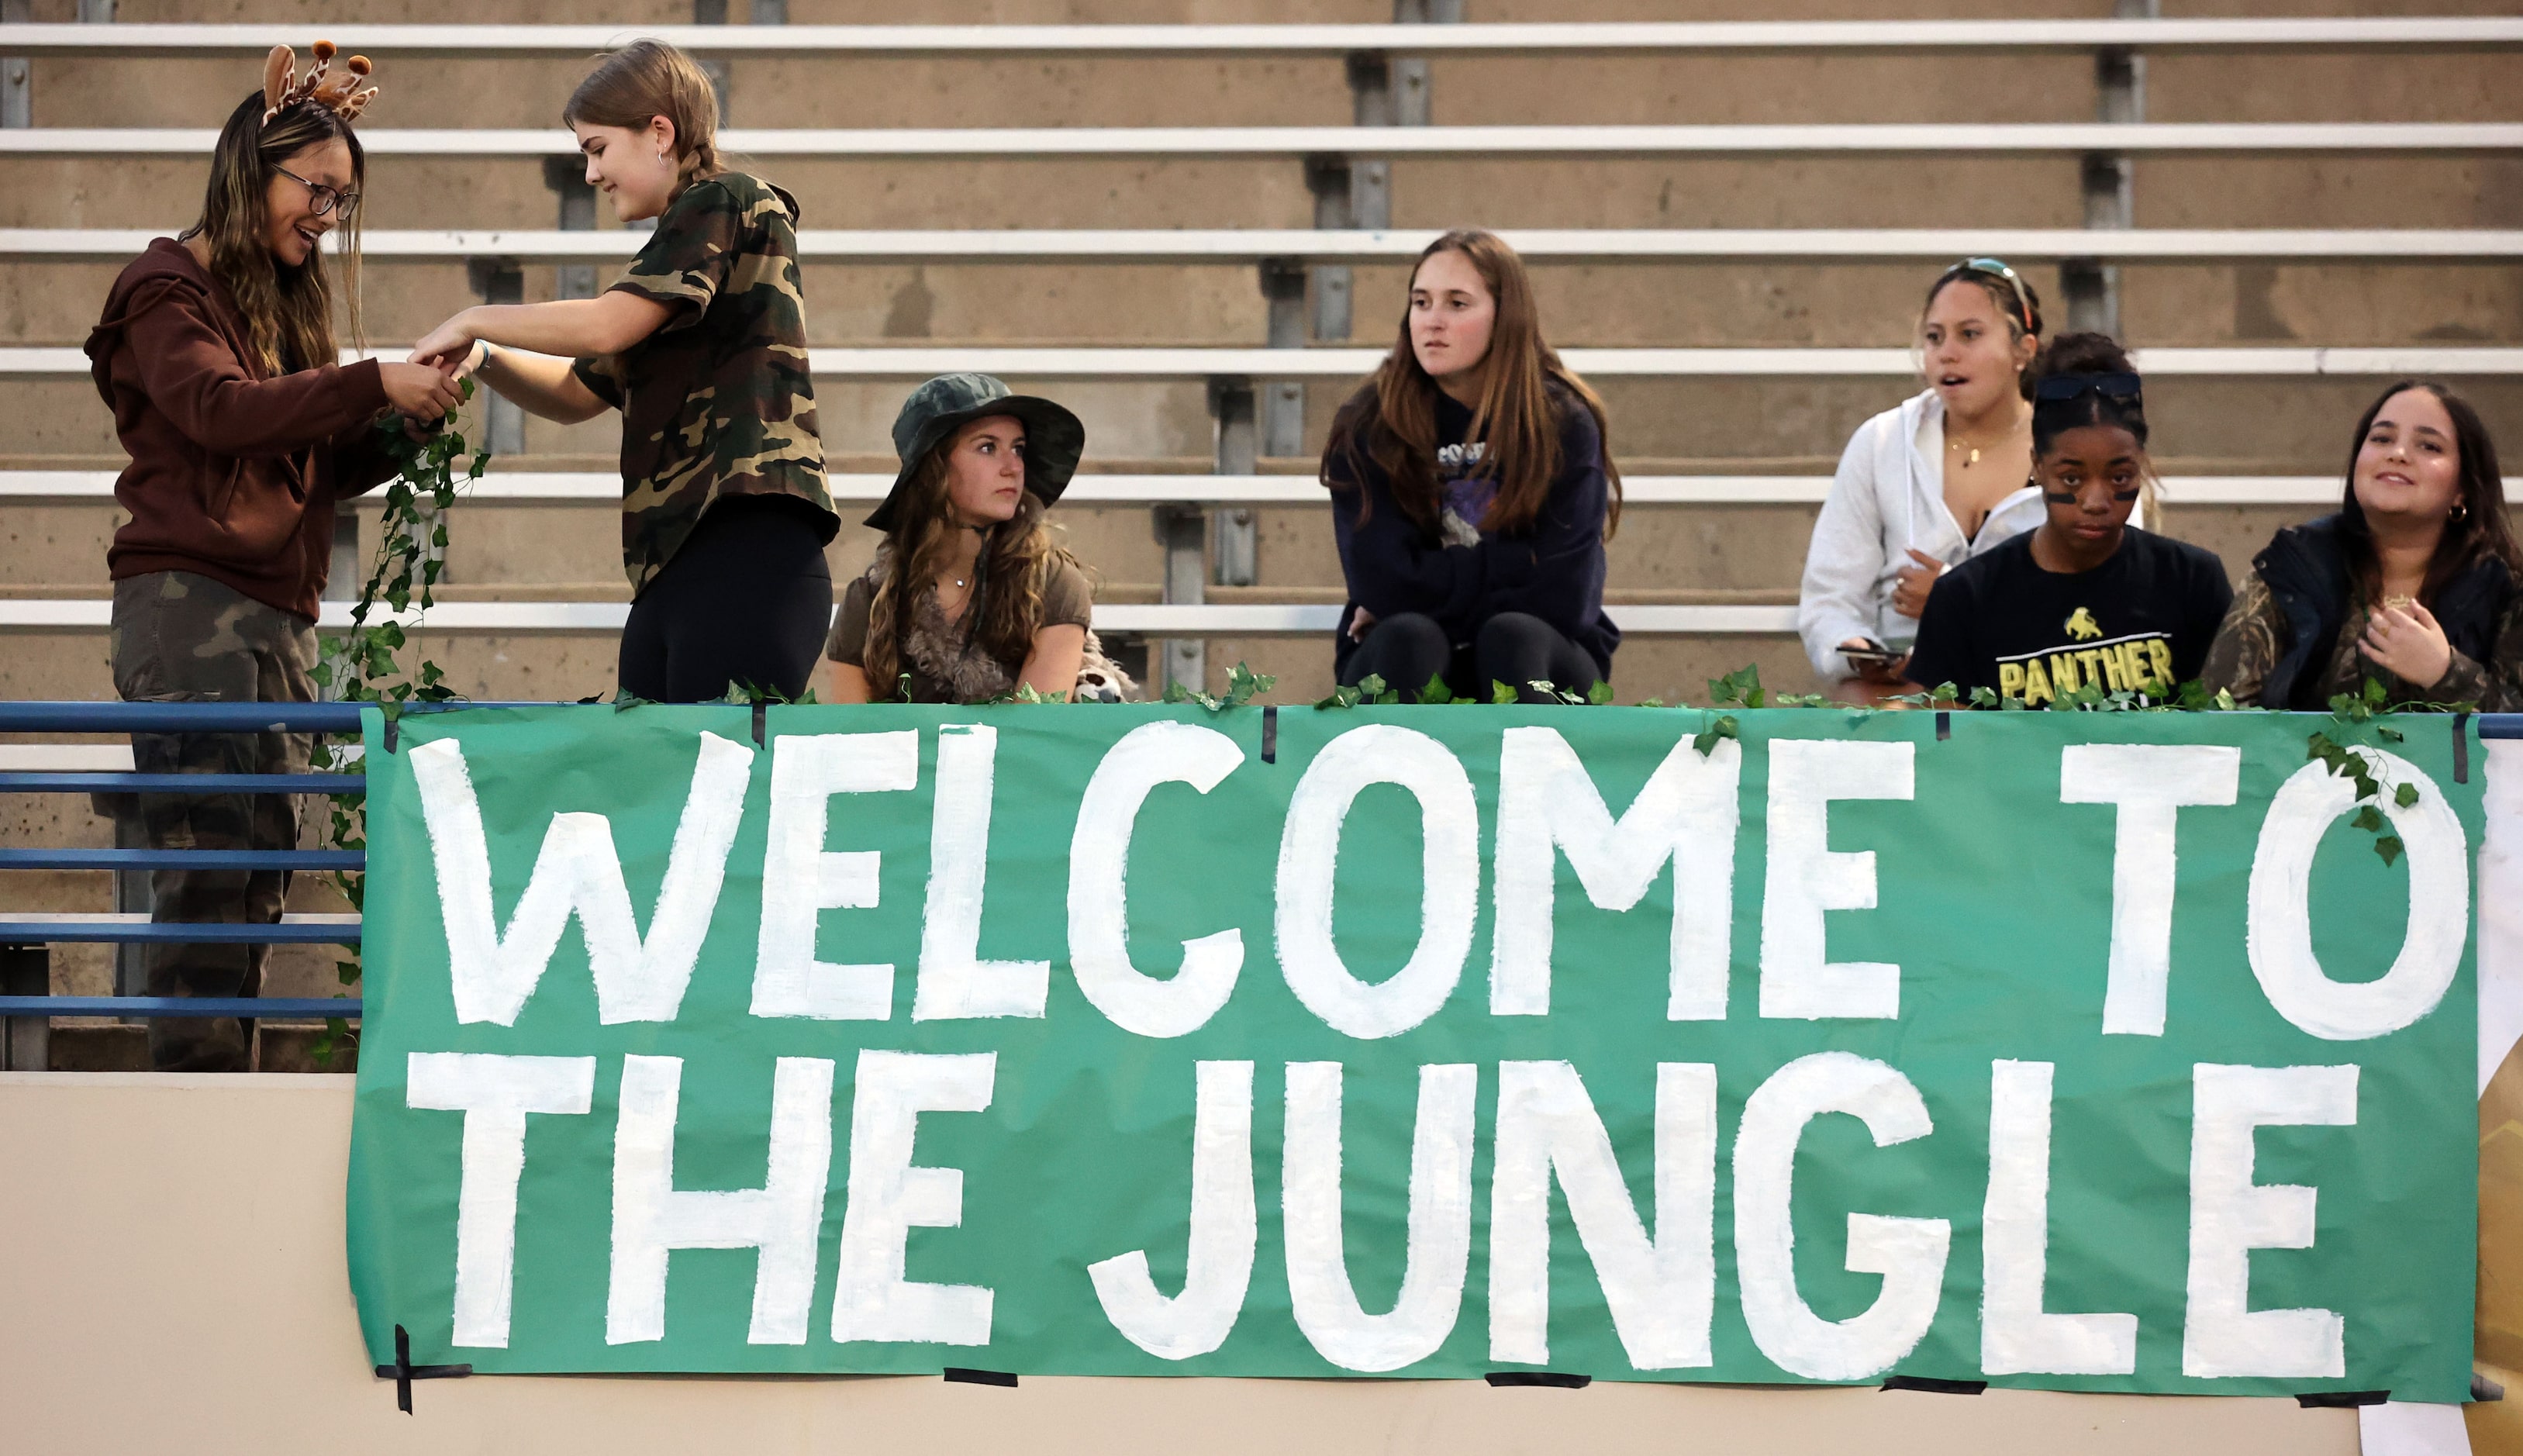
(90, 1044)
(1845, 191)
(69, 663)
(1599, 304)
(2201, 424)
(1017, 89)
(570, 550)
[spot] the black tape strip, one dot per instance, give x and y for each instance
(2483, 1389)
(1933, 1385)
(2320, 1400)
(761, 716)
(392, 732)
(961, 1375)
(1944, 724)
(1556, 1379)
(2461, 748)
(1269, 735)
(403, 1372)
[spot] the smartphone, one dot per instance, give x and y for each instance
(1873, 655)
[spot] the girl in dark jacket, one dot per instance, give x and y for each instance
(216, 354)
(2412, 584)
(1472, 493)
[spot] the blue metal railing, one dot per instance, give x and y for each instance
(25, 929)
(20, 1014)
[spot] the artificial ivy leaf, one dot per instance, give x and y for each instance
(1243, 685)
(1983, 697)
(2407, 796)
(1501, 694)
(1601, 694)
(1435, 692)
(1742, 686)
(2370, 818)
(2389, 846)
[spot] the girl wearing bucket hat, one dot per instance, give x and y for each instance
(970, 596)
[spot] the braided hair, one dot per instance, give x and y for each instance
(650, 79)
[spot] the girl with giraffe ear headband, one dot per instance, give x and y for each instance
(217, 352)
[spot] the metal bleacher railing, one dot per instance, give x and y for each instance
(27, 938)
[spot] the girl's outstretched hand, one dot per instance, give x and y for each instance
(421, 392)
(449, 346)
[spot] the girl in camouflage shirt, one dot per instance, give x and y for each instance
(701, 345)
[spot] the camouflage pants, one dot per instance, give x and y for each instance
(181, 638)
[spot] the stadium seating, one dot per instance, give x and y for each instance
(1196, 233)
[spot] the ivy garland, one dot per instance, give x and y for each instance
(365, 665)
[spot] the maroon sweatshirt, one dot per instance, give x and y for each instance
(233, 474)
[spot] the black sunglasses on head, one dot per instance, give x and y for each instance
(2070, 385)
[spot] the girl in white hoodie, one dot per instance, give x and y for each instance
(1929, 483)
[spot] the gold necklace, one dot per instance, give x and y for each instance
(1972, 459)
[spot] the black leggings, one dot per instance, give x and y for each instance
(745, 601)
(1513, 648)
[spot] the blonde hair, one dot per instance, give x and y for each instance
(650, 79)
(288, 311)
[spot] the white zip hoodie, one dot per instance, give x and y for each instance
(1888, 495)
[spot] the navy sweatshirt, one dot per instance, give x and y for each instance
(1553, 569)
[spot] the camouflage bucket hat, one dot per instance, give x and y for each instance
(1054, 438)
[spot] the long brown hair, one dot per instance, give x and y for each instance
(650, 79)
(1018, 560)
(288, 311)
(2478, 527)
(1394, 412)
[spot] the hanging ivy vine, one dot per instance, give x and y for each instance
(369, 663)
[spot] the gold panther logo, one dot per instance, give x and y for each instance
(2082, 627)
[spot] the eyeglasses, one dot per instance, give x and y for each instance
(321, 199)
(1996, 268)
(2124, 388)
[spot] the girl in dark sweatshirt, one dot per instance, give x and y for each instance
(1472, 493)
(216, 354)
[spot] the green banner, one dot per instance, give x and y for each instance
(2109, 1052)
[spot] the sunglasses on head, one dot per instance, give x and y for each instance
(1996, 268)
(2121, 386)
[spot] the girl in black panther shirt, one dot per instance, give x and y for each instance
(2085, 600)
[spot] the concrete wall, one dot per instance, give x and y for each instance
(172, 1279)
